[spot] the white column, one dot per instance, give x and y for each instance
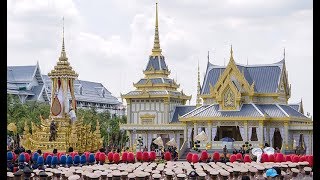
(286, 135)
(250, 133)
(129, 119)
(145, 140)
(177, 137)
(209, 133)
(260, 133)
(149, 136)
(241, 129)
(185, 133)
(166, 111)
(246, 138)
(189, 136)
(268, 135)
(133, 138)
(195, 129)
(271, 136)
(214, 132)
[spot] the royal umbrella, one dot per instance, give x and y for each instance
(268, 150)
(172, 142)
(158, 141)
(201, 137)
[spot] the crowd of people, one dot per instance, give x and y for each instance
(106, 164)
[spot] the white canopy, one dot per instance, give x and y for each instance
(172, 142)
(268, 150)
(201, 137)
(158, 141)
(257, 152)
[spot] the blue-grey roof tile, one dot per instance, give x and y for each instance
(180, 111)
(265, 77)
(291, 112)
(271, 110)
(156, 63)
(91, 91)
(20, 73)
(195, 111)
(295, 106)
(213, 111)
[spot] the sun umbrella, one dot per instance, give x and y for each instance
(201, 137)
(268, 150)
(172, 142)
(257, 152)
(158, 141)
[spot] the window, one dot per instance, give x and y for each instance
(254, 136)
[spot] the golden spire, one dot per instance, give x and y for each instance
(231, 54)
(284, 53)
(156, 51)
(199, 87)
(63, 51)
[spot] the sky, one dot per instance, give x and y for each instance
(110, 41)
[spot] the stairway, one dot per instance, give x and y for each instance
(184, 155)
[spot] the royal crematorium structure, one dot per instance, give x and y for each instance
(243, 102)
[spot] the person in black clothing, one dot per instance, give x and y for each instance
(39, 151)
(225, 151)
(175, 154)
(70, 149)
(235, 151)
(245, 178)
(55, 151)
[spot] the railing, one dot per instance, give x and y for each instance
(182, 149)
(236, 144)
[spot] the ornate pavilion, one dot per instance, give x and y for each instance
(58, 131)
(243, 102)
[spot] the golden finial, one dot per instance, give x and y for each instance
(284, 53)
(199, 87)
(231, 54)
(156, 51)
(63, 51)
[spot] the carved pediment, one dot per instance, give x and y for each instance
(236, 77)
(147, 116)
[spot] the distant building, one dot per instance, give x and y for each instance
(29, 84)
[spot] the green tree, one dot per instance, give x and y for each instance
(18, 113)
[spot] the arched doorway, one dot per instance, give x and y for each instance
(277, 139)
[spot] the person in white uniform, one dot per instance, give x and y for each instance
(72, 115)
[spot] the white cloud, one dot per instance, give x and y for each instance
(110, 41)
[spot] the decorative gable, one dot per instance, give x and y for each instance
(284, 87)
(228, 101)
(230, 87)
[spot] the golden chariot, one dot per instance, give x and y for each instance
(68, 133)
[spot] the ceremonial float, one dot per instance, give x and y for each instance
(61, 131)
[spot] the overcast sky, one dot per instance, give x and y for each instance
(110, 41)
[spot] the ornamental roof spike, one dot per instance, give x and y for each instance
(156, 51)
